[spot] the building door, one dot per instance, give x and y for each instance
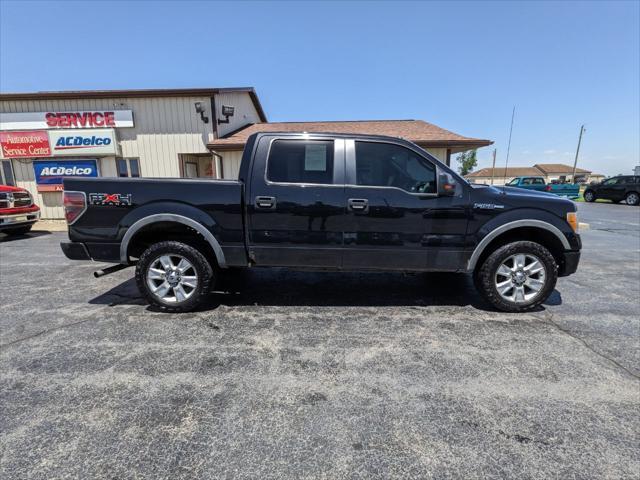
(296, 202)
(395, 219)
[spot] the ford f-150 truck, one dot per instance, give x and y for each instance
(326, 201)
(569, 190)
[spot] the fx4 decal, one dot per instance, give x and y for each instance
(110, 199)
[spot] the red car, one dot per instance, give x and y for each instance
(18, 213)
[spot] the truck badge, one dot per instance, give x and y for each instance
(110, 199)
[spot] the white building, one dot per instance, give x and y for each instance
(156, 133)
(150, 133)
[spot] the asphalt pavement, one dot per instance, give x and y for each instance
(321, 375)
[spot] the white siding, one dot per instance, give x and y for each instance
(244, 113)
(164, 128)
(439, 153)
(231, 164)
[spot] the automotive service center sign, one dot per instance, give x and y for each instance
(25, 144)
(49, 173)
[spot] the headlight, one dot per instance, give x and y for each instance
(572, 219)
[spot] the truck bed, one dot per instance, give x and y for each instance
(114, 204)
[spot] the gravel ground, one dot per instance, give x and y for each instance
(321, 375)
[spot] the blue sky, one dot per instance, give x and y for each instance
(460, 65)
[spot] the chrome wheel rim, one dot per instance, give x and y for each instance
(520, 278)
(632, 199)
(588, 196)
(172, 278)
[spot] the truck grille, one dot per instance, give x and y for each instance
(21, 199)
(15, 199)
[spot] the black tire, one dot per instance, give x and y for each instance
(633, 198)
(485, 276)
(203, 269)
(589, 196)
(18, 230)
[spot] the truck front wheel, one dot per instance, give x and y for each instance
(173, 276)
(517, 277)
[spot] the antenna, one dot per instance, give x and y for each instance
(506, 163)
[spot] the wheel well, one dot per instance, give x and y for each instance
(531, 234)
(163, 231)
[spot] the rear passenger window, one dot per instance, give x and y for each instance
(388, 165)
(301, 161)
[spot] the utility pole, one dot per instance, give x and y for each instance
(575, 162)
(506, 163)
(493, 165)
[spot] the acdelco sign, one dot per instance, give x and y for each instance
(82, 142)
(49, 174)
(53, 120)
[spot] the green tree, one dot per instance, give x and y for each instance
(467, 161)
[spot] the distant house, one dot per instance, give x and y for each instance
(549, 171)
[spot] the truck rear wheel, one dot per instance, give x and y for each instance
(517, 277)
(173, 276)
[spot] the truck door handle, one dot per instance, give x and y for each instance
(360, 205)
(266, 203)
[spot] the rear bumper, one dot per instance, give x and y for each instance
(75, 251)
(101, 252)
(18, 219)
(569, 263)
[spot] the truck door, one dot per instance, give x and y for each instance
(295, 202)
(395, 218)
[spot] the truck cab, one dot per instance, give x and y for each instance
(538, 183)
(327, 201)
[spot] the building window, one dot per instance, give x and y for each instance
(128, 167)
(7, 173)
(301, 161)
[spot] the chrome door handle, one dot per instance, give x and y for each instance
(360, 205)
(265, 203)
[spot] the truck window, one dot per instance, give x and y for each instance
(301, 161)
(538, 181)
(387, 165)
(514, 181)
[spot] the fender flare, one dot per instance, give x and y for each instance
(473, 260)
(171, 217)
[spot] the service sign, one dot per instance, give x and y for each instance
(53, 120)
(49, 173)
(25, 144)
(83, 142)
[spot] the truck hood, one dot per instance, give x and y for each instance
(9, 188)
(520, 197)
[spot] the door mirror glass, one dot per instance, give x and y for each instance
(447, 186)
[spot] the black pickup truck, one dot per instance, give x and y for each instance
(326, 201)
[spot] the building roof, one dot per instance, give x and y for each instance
(144, 93)
(499, 172)
(420, 132)
(549, 168)
(538, 170)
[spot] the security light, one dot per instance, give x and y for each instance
(200, 110)
(227, 112)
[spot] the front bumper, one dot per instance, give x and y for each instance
(569, 263)
(18, 219)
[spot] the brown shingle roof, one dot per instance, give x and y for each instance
(420, 132)
(511, 172)
(548, 168)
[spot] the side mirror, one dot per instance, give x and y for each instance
(446, 185)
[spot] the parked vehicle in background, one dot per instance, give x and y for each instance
(327, 201)
(569, 190)
(616, 189)
(18, 213)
